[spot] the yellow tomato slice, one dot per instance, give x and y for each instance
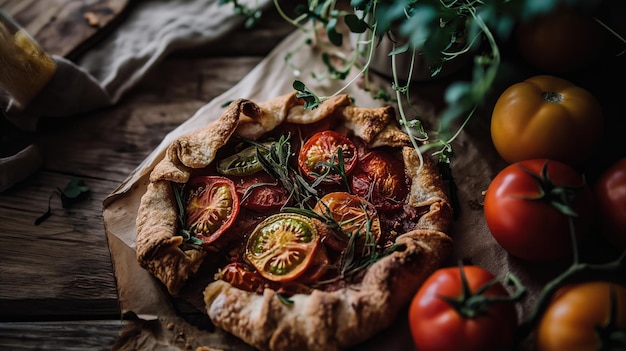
(282, 246)
(356, 218)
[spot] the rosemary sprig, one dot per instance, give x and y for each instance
(336, 165)
(181, 200)
(276, 164)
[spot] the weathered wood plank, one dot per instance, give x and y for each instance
(111, 143)
(65, 27)
(62, 335)
(64, 261)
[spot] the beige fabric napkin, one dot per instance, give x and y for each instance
(102, 76)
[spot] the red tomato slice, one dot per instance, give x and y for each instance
(322, 150)
(260, 192)
(241, 278)
(380, 179)
(212, 206)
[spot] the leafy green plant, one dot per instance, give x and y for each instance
(441, 30)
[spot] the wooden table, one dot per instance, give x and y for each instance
(57, 288)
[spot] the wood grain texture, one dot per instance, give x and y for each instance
(66, 27)
(62, 335)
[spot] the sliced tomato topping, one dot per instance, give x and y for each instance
(244, 162)
(282, 246)
(357, 221)
(327, 154)
(380, 178)
(317, 268)
(212, 206)
(260, 192)
(238, 276)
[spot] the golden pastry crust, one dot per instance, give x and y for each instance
(321, 320)
(335, 320)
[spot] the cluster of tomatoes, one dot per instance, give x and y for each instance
(540, 208)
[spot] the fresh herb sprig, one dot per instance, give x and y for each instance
(276, 163)
(181, 200)
(441, 30)
(74, 191)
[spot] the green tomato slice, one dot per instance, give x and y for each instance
(245, 162)
(282, 246)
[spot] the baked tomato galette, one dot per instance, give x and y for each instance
(320, 224)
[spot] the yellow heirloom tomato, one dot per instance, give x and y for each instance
(588, 316)
(546, 117)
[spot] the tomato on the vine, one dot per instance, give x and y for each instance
(562, 40)
(463, 309)
(528, 207)
(320, 156)
(211, 208)
(283, 246)
(586, 316)
(260, 192)
(380, 179)
(546, 117)
(610, 195)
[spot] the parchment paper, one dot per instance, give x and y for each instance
(152, 313)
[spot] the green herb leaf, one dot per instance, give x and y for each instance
(355, 24)
(311, 101)
(74, 191)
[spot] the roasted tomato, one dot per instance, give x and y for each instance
(562, 40)
(260, 192)
(211, 208)
(282, 246)
(244, 162)
(380, 179)
(610, 195)
(327, 154)
(587, 316)
(357, 222)
(462, 312)
(546, 117)
(241, 278)
(528, 207)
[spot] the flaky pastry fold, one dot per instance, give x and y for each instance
(321, 320)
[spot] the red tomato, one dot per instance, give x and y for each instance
(260, 192)
(212, 206)
(521, 214)
(322, 150)
(610, 195)
(437, 324)
(560, 41)
(380, 179)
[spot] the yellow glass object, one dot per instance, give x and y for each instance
(25, 67)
